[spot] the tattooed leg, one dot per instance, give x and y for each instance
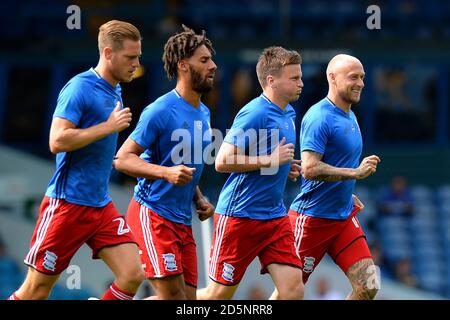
(364, 280)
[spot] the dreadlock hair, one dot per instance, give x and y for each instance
(180, 46)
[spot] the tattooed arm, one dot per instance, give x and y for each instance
(315, 169)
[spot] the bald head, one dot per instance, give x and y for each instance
(345, 75)
(341, 62)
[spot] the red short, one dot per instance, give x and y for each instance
(167, 248)
(343, 240)
(63, 227)
(238, 241)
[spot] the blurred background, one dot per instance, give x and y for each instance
(403, 115)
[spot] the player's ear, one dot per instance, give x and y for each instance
(270, 81)
(182, 65)
(332, 78)
(107, 52)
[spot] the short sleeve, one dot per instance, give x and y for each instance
(149, 127)
(245, 128)
(70, 104)
(314, 134)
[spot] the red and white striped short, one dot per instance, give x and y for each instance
(343, 240)
(63, 227)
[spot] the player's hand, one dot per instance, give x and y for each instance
(295, 171)
(282, 154)
(179, 175)
(204, 209)
(367, 167)
(119, 119)
(358, 203)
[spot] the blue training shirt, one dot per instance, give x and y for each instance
(251, 194)
(330, 131)
(82, 175)
(172, 132)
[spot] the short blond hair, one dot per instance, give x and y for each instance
(113, 33)
(272, 60)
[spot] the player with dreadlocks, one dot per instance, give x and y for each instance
(159, 213)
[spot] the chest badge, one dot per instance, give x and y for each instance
(185, 125)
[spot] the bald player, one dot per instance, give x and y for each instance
(323, 215)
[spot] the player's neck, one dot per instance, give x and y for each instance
(192, 97)
(105, 74)
(275, 99)
(338, 102)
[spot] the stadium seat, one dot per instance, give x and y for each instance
(422, 193)
(445, 208)
(432, 281)
(443, 193)
(427, 238)
(424, 209)
(423, 222)
(395, 252)
(426, 253)
(363, 193)
(431, 266)
(391, 224)
(10, 274)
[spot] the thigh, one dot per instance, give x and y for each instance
(350, 246)
(285, 276)
(122, 259)
(60, 231)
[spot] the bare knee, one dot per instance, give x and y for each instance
(41, 292)
(172, 293)
(291, 288)
(204, 294)
(216, 291)
(37, 286)
(136, 277)
(131, 279)
(34, 291)
(208, 294)
(291, 291)
(170, 288)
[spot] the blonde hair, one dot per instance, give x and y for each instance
(272, 60)
(113, 33)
